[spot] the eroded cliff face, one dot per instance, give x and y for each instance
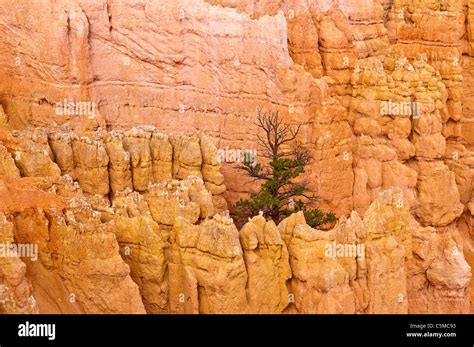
(115, 114)
(169, 247)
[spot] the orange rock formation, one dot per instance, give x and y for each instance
(113, 115)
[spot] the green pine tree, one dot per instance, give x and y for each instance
(281, 192)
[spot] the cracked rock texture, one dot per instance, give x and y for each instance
(114, 115)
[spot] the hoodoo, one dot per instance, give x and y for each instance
(218, 156)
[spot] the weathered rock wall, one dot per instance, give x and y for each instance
(145, 76)
(166, 250)
(162, 65)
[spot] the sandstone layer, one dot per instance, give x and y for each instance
(114, 116)
(170, 248)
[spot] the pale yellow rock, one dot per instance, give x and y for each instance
(214, 268)
(60, 143)
(438, 195)
(3, 119)
(120, 173)
(143, 246)
(7, 164)
(137, 142)
(188, 199)
(16, 294)
(319, 283)
(267, 264)
(438, 276)
(187, 157)
(91, 165)
(74, 243)
(32, 154)
(162, 153)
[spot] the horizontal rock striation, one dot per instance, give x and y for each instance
(114, 116)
